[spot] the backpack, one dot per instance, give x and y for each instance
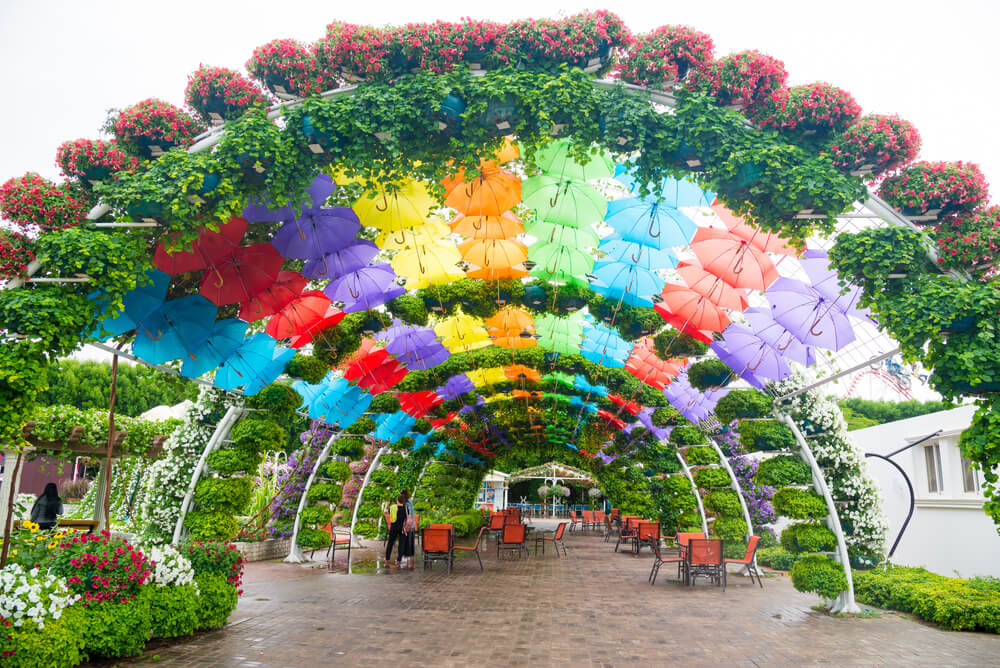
(393, 513)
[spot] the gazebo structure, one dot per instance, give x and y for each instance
(553, 473)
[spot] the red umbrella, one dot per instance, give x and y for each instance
(437, 424)
(277, 296)
(712, 287)
(690, 312)
(610, 418)
(304, 317)
(418, 403)
(647, 366)
(249, 271)
(376, 372)
(631, 406)
(734, 260)
(765, 241)
(208, 250)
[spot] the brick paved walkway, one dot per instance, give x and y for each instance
(592, 608)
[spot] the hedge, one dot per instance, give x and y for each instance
(819, 574)
(784, 470)
(709, 478)
(701, 455)
(808, 537)
(766, 435)
(777, 558)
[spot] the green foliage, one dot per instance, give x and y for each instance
(277, 399)
(777, 558)
(337, 470)
(223, 494)
(954, 603)
(217, 600)
(669, 343)
(766, 435)
(800, 504)
(383, 476)
(309, 368)
(686, 435)
(784, 470)
(820, 575)
(709, 373)
(366, 529)
(466, 524)
(174, 609)
(700, 455)
(218, 558)
(730, 529)
(114, 630)
(808, 537)
(981, 444)
(369, 511)
(317, 515)
(313, 539)
(350, 447)
(709, 478)
(58, 645)
(667, 416)
(409, 308)
(384, 403)
(86, 385)
(725, 503)
(232, 460)
(257, 434)
(324, 491)
(880, 412)
(211, 525)
(739, 404)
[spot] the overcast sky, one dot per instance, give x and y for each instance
(67, 62)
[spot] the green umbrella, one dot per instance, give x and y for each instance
(560, 334)
(559, 377)
(564, 201)
(555, 160)
(553, 233)
(559, 262)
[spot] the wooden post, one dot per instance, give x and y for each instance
(108, 471)
(13, 483)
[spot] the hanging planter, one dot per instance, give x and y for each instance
(32, 200)
(709, 373)
(449, 115)
(665, 56)
(930, 190)
(687, 158)
(747, 174)
(92, 160)
(744, 80)
(220, 94)
(500, 116)
(147, 212)
(289, 69)
(875, 144)
(254, 168)
(817, 109)
(152, 127)
(318, 142)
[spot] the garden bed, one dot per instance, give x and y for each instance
(264, 550)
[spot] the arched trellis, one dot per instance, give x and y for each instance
(694, 488)
(295, 554)
(734, 483)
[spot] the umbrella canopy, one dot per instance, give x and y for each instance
(691, 310)
(629, 283)
(490, 194)
(286, 287)
(246, 364)
(553, 233)
(137, 304)
(650, 223)
(414, 237)
(494, 253)
(462, 333)
(712, 287)
(502, 226)
(559, 262)
(645, 365)
(816, 264)
(487, 377)
(249, 271)
(564, 201)
(376, 371)
(351, 257)
(338, 402)
(418, 404)
(672, 192)
(430, 264)
(265, 211)
(393, 427)
(738, 262)
(808, 315)
(765, 241)
(317, 233)
(580, 383)
(208, 250)
(390, 212)
(754, 354)
(779, 338)
(270, 372)
(225, 338)
(175, 329)
(510, 321)
(560, 334)
(455, 387)
(644, 257)
(726, 357)
(364, 289)
(305, 316)
(424, 358)
(556, 159)
(522, 373)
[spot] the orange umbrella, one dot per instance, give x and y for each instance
(766, 241)
(514, 342)
(734, 260)
(647, 366)
(690, 312)
(504, 226)
(490, 194)
(497, 258)
(526, 394)
(511, 319)
(521, 372)
(711, 286)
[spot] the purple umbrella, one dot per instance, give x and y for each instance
(365, 288)
(816, 264)
(723, 354)
(316, 233)
(404, 338)
(810, 316)
(754, 354)
(265, 211)
(779, 338)
(424, 358)
(346, 259)
(455, 387)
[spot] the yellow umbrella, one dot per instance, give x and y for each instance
(462, 333)
(406, 207)
(503, 226)
(491, 376)
(413, 237)
(430, 264)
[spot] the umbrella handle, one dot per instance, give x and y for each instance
(221, 280)
(812, 330)
(385, 202)
(350, 289)
(470, 188)
(738, 265)
(634, 258)
(754, 367)
(302, 235)
(553, 267)
(785, 347)
(653, 221)
(159, 334)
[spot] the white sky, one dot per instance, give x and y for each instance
(66, 62)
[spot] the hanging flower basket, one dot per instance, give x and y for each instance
(288, 69)
(500, 116)
(687, 158)
(220, 94)
(815, 109)
(32, 200)
(92, 160)
(743, 79)
(15, 254)
(449, 115)
(318, 141)
(665, 56)
(930, 190)
(969, 241)
(585, 40)
(875, 144)
(354, 52)
(152, 127)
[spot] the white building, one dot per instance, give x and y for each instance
(949, 532)
(493, 493)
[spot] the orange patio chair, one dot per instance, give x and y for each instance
(683, 538)
(574, 519)
(475, 548)
(748, 561)
(658, 561)
(704, 557)
(336, 539)
(513, 538)
(556, 539)
(627, 531)
(588, 519)
(648, 533)
(438, 544)
(495, 527)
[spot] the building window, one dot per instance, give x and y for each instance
(932, 457)
(970, 476)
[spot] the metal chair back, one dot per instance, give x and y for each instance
(705, 552)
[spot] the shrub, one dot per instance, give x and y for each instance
(382, 476)
(742, 404)
(689, 521)
(708, 478)
(466, 524)
(745, 78)
(317, 515)
(337, 470)
(369, 511)
(211, 525)
(101, 568)
(391, 460)
(730, 529)
(703, 455)
(216, 601)
(954, 603)
(724, 502)
(784, 470)
(709, 373)
(808, 537)
(313, 539)
(820, 575)
(686, 435)
(800, 504)
(58, 645)
(218, 558)
(778, 558)
(223, 494)
(766, 435)
(232, 460)
(117, 629)
(325, 491)
(173, 609)
(366, 529)
(257, 435)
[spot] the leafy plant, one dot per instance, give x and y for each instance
(808, 537)
(742, 404)
(709, 478)
(92, 160)
(784, 470)
(777, 558)
(766, 435)
(800, 504)
(217, 599)
(725, 503)
(709, 373)
(665, 55)
(701, 455)
(115, 630)
(174, 610)
(287, 67)
(874, 144)
(686, 435)
(820, 575)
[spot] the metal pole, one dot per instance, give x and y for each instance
(824, 381)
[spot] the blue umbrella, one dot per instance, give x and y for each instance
(253, 356)
(580, 383)
(419, 439)
(674, 192)
(338, 402)
(586, 406)
(627, 282)
(393, 426)
(270, 372)
(137, 304)
(650, 223)
(646, 257)
(226, 337)
(175, 329)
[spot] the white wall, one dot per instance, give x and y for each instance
(949, 532)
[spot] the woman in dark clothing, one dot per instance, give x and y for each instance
(406, 541)
(48, 506)
(397, 518)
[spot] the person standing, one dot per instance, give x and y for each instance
(408, 539)
(48, 506)
(397, 518)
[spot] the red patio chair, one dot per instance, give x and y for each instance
(598, 519)
(658, 561)
(336, 539)
(495, 527)
(438, 544)
(628, 530)
(513, 539)
(704, 557)
(748, 561)
(475, 548)
(574, 519)
(588, 519)
(611, 527)
(683, 538)
(555, 539)
(648, 533)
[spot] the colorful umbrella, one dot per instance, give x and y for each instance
(138, 304)
(364, 289)
(645, 257)
(270, 372)
(522, 373)
(738, 262)
(175, 329)
(265, 211)
(408, 206)
(712, 287)
(456, 386)
(502, 226)
(434, 263)
(249, 271)
(559, 262)
(208, 250)
(754, 354)
(816, 264)
(580, 383)
(564, 201)
(646, 365)
(779, 338)
(392, 427)
(510, 321)
(557, 159)
(490, 194)
(689, 311)
(254, 355)
(498, 254)
(552, 233)
(650, 223)
(765, 241)
(414, 237)
(462, 333)
(351, 257)
(286, 287)
(807, 314)
(226, 337)
(376, 371)
(418, 404)
(628, 283)
(674, 193)
(317, 233)
(724, 355)
(304, 317)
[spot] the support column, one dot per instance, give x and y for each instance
(103, 482)
(10, 480)
(295, 553)
(694, 488)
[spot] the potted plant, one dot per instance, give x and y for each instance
(92, 160)
(480, 42)
(664, 56)
(969, 241)
(813, 109)
(32, 200)
(354, 52)
(929, 190)
(743, 79)
(150, 128)
(220, 94)
(15, 254)
(875, 144)
(709, 373)
(288, 68)
(586, 40)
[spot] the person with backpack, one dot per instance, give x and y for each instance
(408, 539)
(397, 519)
(48, 506)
